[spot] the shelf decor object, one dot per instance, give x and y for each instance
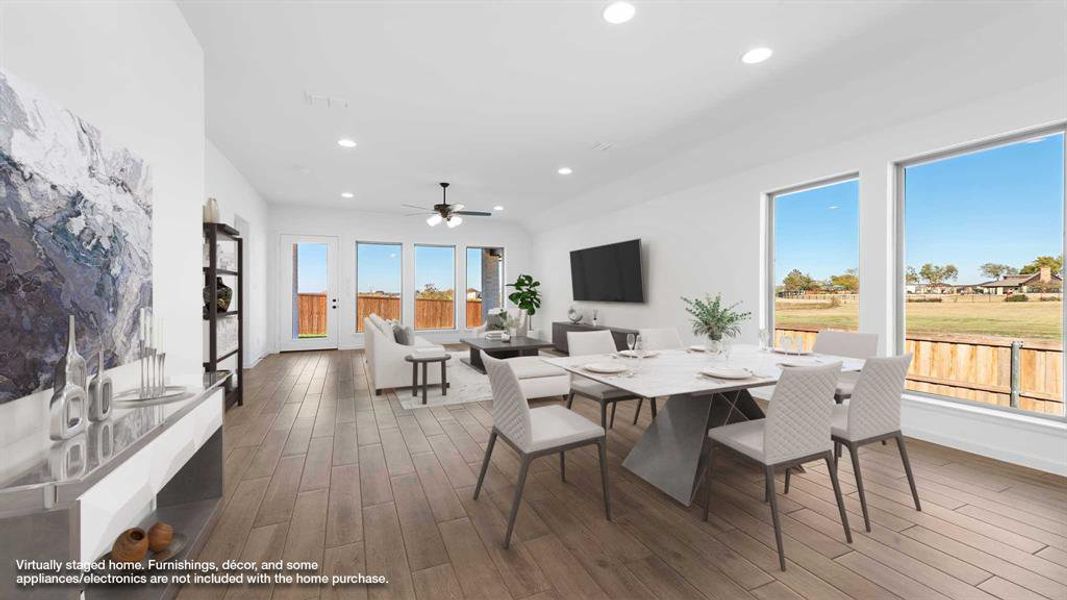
(100, 392)
(130, 547)
(67, 409)
(219, 310)
(159, 536)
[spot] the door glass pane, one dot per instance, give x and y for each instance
(816, 260)
(983, 239)
(485, 283)
(309, 289)
(378, 281)
(435, 277)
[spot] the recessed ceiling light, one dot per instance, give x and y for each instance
(564, 170)
(498, 208)
(756, 55)
(346, 143)
(618, 13)
(347, 195)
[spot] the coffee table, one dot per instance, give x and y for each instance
(425, 362)
(517, 346)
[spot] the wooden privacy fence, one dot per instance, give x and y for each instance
(429, 313)
(311, 315)
(1027, 375)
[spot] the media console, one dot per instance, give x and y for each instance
(560, 329)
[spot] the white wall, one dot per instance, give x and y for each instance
(135, 71)
(237, 198)
(352, 226)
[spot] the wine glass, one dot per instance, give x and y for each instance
(727, 346)
(631, 340)
(764, 338)
(639, 351)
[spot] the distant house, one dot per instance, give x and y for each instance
(473, 294)
(932, 288)
(1042, 281)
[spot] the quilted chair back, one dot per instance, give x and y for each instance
(799, 415)
(511, 413)
(585, 343)
(875, 405)
(846, 343)
(664, 338)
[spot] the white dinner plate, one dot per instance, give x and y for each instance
(636, 354)
(697, 348)
(799, 363)
(727, 373)
(606, 367)
(792, 353)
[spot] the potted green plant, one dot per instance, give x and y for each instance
(527, 297)
(713, 320)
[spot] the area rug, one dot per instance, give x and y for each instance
(466, 384)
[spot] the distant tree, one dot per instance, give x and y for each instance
(795, 281)
(1053, 262)
(849, 281)
(938, 274)
(997, 270)
(430, 292)
(910, 276)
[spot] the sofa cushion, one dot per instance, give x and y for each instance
(404, 335)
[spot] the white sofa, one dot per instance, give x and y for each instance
(385, 356)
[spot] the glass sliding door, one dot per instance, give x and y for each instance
(485, 283)
(435, 287)
(379, 274)
(309, 296)
(814, 259)
(982, 273)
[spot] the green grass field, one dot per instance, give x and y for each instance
(1020, 320)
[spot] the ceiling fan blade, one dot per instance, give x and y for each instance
(420, 214)
(415, 207)
(473, 213)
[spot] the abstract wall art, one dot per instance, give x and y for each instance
(75, 239)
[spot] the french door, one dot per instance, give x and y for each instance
(308, 315)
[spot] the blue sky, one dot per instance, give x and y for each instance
(435, 264)
(817, 230)
(310, 268)
(1002, 205)
(378, 267)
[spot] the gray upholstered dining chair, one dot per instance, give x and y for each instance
(654, 338)
(849, 344)
(587, 343)
(873, 415)
(795, 431)
(535, 432)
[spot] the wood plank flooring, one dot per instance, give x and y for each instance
(318, 468)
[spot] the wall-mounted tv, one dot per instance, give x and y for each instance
(609, 273)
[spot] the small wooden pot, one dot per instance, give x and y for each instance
(130, 546)
(159, 536)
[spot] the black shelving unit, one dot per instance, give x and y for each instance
(213, 233)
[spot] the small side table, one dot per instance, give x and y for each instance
(425, 362)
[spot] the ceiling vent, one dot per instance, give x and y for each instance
(602, 146)
(325, 101)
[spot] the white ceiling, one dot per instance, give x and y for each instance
(495, 96)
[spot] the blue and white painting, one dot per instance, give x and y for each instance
(75, 238)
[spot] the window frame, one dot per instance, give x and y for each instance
(355, 269)
(503, 276)
(771, 236)
(898, 237)
(414, 291)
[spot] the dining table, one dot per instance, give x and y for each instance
(669, 454)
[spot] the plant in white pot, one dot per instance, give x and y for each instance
(527, 297)
(714, 321)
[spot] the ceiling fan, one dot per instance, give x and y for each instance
(445, 212)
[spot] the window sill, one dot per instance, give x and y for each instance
(993, 415)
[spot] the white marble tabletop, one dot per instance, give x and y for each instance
(673, 372)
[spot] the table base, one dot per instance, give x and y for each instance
(670, 453)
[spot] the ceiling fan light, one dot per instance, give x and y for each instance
(454, 222)
(434, 220)
(457, 207)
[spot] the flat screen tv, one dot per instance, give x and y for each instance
(609, 273)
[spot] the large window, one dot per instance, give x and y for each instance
(485, 283)
(982, 272)
(435, 287)
(378, 281)
(815, 259)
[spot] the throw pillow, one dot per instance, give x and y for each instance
(405, 335)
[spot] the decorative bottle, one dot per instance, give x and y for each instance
(100, 392)
(67, 410)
